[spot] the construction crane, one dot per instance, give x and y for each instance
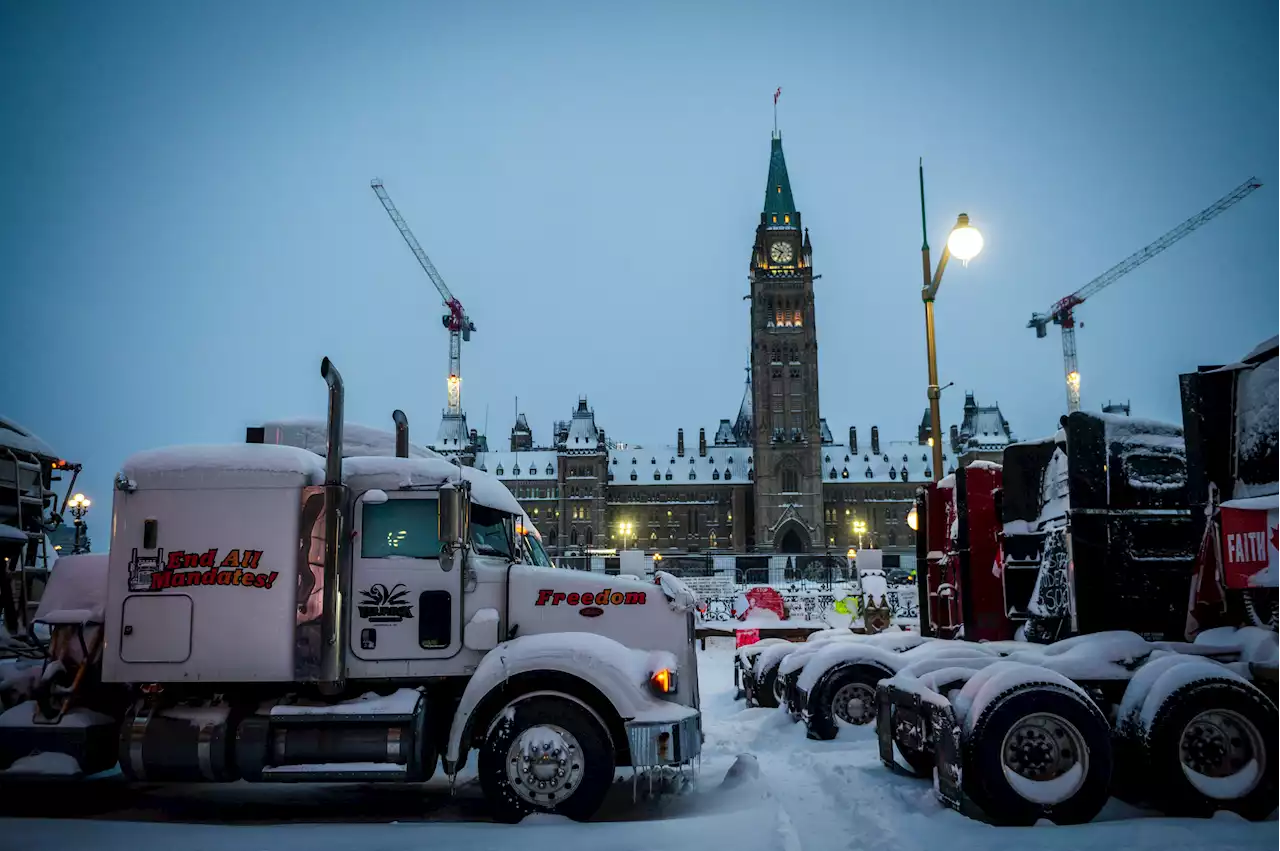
(1063, 311)
(456, 320)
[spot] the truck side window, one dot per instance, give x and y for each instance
(400, 527)
(490, 531)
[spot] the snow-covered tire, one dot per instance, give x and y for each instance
(764, 692)
(578, 777)
(1221, 725)
(1043, 728)
(920, 762)
(846, 695)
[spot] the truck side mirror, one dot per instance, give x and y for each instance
(455, 516)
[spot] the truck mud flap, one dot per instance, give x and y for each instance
(929, 728)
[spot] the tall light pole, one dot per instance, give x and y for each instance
(79, 506)
(859, 529)
(964, 242)
(625, 529)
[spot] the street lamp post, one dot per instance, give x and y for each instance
(964, 242)
(859, 529)
(79, 506)
(625, 529)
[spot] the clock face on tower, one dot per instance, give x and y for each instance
(780, 252)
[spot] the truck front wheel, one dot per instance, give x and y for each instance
(546, 754)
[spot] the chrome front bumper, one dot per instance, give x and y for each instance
(656, 743)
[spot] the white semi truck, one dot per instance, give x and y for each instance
(269, 615)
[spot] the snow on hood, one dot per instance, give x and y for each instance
(391, 473)
(76, 592)
(14, 436)
(357, 440)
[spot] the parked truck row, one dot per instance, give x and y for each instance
(1097, 619)
(269, 612)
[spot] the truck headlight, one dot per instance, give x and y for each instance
(663, 681)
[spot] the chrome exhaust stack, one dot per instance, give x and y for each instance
(402, 433)
(332, 627)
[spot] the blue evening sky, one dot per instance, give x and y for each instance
(188, 224)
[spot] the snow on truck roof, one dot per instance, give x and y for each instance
(14, 436)
(266, 465)
(379, 471)
(228, 465)
(357, 440)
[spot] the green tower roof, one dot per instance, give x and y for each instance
(777, 194)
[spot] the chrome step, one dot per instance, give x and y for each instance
(337, 772)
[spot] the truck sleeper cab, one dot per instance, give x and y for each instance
(273, 616)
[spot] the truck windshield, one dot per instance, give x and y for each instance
(537, 553)
(490, 531)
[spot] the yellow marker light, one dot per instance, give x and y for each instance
(852, 553)
(664, 681)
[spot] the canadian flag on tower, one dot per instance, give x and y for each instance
(776, 94)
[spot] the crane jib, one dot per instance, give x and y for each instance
(1062, 311)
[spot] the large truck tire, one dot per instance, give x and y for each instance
(765, 692)
(1039, 750)
(1212, 745)
(847, 696)
(546, 754)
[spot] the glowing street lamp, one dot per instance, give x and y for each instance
(79, 505)
(965, 242)
(913, 519)
(626, 531)
(859, 529)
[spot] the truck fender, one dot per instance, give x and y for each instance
(597, 673)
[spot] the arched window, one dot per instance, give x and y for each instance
(573, 537)
(552, 535)
(587, 537)
(893, 538)
(790, 481)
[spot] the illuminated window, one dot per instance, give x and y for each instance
(786, 220)
(775, 220)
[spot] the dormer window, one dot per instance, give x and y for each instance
(668, 475)
(633, 475)
(715, 474)
(833, 473)
(550, 472)
(614, 461)
(711, 459)
(786, 220)
(657, 477)
(515, 471)
(673, 460)
(633, 460)
(499, 470)
(653, 460)
(886, 459)
(610, 479)
(844, 474)
(827, 459)
(775, 218)
(693, 475)
(728, 474)
(904, 459)
(868, 472)
(893, 474)
(751, 475)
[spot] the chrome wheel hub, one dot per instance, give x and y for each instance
(1219, 744)
(544, 765)
(855, 703)
(1044, 758)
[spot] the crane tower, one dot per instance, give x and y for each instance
(456, 320)
(1062, 312)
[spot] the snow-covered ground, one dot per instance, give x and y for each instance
(810, 796)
